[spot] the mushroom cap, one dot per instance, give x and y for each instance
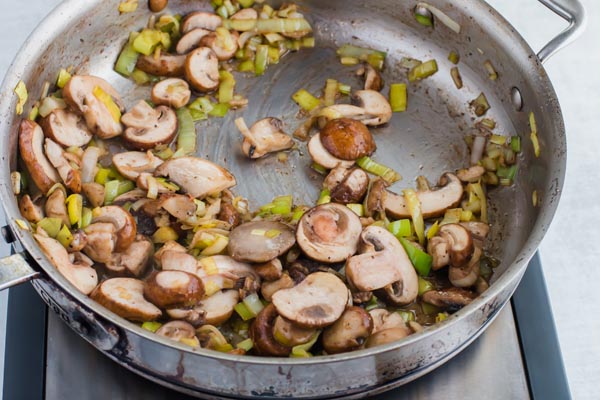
(171, 92)
(228, 213)
(125, 297)
(382, 262)
(347, 185)
(289, 334)
(466, 276)
(266, 136)
(164, 65)
(31, 147)
(451, 298)
(31, 211)
(471, 174)
(66, 128)
(80, 275)
(434, 203)
(261, 332)
(452, 245)
(349, 332)
(126, 228)
(176, 260)
(101, 241)
(170, 289)
(148, 127)
(316, 302)
(321, 156)
(201, 19)
(202, 69)
(135, 258)
(260, 241)
(217, 44)
(177, 330)
(131, 164)
(375, 105)
(374, 202)
(387, 336)
(329, 233)
(219, 307)
(196, 176)
(69, 175)
(373, 80)
(478, 230)
(190, 40)
(268, 289)
(270, 271)
(347, 139)
(94, 193)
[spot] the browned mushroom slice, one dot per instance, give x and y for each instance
(466, 276)
(268, 289)
(452, 298)
(349, 332)
(69, 175)
(164, 65)
(123, 221)
(172, 92)
(55, 206)
(329, 233)
(31, 147)
(269, 271)
(170, 289)
(452, 245)
(131, 163)
(125, 297)
(196, 176)
(478, 230)
(79, 241)
(79, 94)
(260, 241)
(374, 200)
(79, 273)
(261, 332)
(202, 69)
(201, 19)
(373, 80)
(31, 211)
(383, 262)
(134, 259)
(434, 203)
(375, 105)
(347, 185)
(194, 316)
(384, 319)
(223, 42)
(178, 330)
(66, 128)
(94, 193)
(191, 40)
(219, 307)
(148, 127)
(229, 268)
(387, 336)
(265, 136)
(471, 174)
(289, 334)
(101, 241)
(347, 139)
(318, 301)
(321, 156)
(228, 213)
(180, 206)
(245, 13)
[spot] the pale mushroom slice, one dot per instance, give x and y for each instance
(123, 221)
(31, 147)
(434, 203)
(219, 307)
(172, 289)
(31, 211)
(290, 334)
(265, 136)
(94, 193)
(318, 301)
(79, 273)
(191, 40)
(180, 206)
(69, 175)
(347, 185)
(172, 92)
(375, 105)
(466, 276)
(148, 127)
(245, 13)
(55, 206)
(268, 289)
(388, 336)
(131, 164)
(223, 42)
(321, 156)
(201, 19)
(66, 128)
(196, 176)
(226, 267)
(452, 245)
(101, 241)
(125, 297)
(134, 259)
(382, 263)
(471, 174)
(177, 330)
(478, 230)
(329, 233)
(384, 319)
(165, 64)
(373, 79)
(260, 241)
(202, 69)
(177, 261)
(349, 332)
(78, 93)
(270, 271)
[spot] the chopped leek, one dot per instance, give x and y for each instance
(414, 206)
(419, 259)
(423, 71)
(374, 57)
(151, 326)
(480, 105)
(108, 102)
(324, 197)
(424, 286)
(186, 133)
(515, 144)
(50, 225)
(433, 230)
(406, 315)
(477, 190)
(330, 93)
(455, 74)
(125, 64)
(488, 123)
(148, 39)
(63, 78)
(398, 97)
(344, 89)
(49, 104)
(357, 208)
(226, 86)
(534, 137)
(429, 309)
(22, 224)
(111, 191)
(388, 174)
(245, 345)
(282, 205)
(305, 100)
(492, 74)
(400, 228)
(498, 139)
(33, 114)
(140, 77)
(246, 66)
(507, 172)
(261, 59)
(75, 209)
(301, 350)
(219, 244)
(319, 168)
(86, 217)
(441, 317)
(534, 198)
(451, 216)
(164, 234)
(425, 20)
(128, 6)
(298, 213)
(454, 57)
(21, 92)
(253, 303)
(64, 236)
(349, 61)
(243, 311)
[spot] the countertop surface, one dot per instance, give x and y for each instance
(568, 251)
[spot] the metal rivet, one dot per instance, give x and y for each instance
(9, 237)
(517, 98)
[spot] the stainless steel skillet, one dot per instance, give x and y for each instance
(426, 140)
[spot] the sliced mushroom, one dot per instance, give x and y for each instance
(374, 202)
(134, 259)
(79, 241)
(170, 289)
(201, 19)
(179, 206)
(178, 261)
(164, 65)
(268, 289)
(434, 203)
(318, 301)
(125, 297)
(329, 233)
(223, 42)
(260, 241)
(94, 193)
(219, 307)
(383, 262)
(202, 69)
(261, 332)
(245, 13)
(451, 299)
(452, 245)
(384, 319)
(466, 276)
(321, 156)
(171, 245)
(228, 213)
(375, 105)
(79, 272)
(55, 206)
(31, 147)
(78, 93)
(347, 185)
(69, 175)
(131, 164)
(196, 176)
(373, 80)
(471, 174)
(265, 136)
(194, 316)
(387, 336)
(31, 211)
(269, 271)
(148, 127)
(172, 92)
(289, 334)
(131, 197)
(101, 241)
(123, 221)
(191, 40)
(347, 139)
(177, 330)
(349, 332)
(478, 230)
(66, 128)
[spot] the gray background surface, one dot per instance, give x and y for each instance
(569, 252)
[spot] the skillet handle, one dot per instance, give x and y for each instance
(574, 13)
